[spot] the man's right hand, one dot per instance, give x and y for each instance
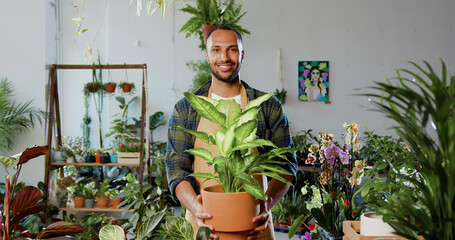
(201, 217)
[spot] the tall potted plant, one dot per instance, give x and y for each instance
(212, 12)
(237, 162)
(416, 100)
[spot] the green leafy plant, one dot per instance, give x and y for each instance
(92, 87)
(415, 100)
(202, 71)
(178, 228)
(130, 145)
(15, 118)
(302, 142)
(16, 206)
(127, 87)
(89, 190)
(281, 95)
(91, 224)
(213, 12)
(103, 188)
(77, 189)
(236, 164)
(121, 128)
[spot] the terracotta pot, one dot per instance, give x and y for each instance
(116, 202)
(79, 202)
(110, 88)
(103, 202)
(93, 87)
(231, 212)
(206, 29)
(127, 87)
(98, 157)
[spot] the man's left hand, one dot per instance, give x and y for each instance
(262, 220)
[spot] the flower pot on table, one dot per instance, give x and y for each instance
(79, 202)
(231, 212)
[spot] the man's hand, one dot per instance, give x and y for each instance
(201, 217)
(261, 219)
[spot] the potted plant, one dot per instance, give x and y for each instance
(92, 87)
(19, 204)
(127, 86)
(129, 151)
(89, 194)
(109, 87)
(77, 192)
(90, 157)
(62, 197)
(58, 154)
(211, 12)
(416, 100)
(281, 95)
(235, 144)
(102, 193)
(114, 192)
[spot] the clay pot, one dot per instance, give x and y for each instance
(116, 202)
(231, 212)
(206, 29)
(79, 202)
(103, 202)
(127, 87)
(110, 88)
(98, 157)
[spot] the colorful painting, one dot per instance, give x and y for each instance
(313, 81)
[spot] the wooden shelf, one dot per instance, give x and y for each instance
(309, 169)
(94, 209)
(93, 164)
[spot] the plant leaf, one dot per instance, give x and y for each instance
(230, 108)
(112, 232)
(149, 225)
(205, 109)
(59, 229)
(32, 152)
(203, 233)
(27, 197)
(201, 152)
(258, 101)
(255, 190)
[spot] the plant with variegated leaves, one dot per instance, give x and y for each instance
(237, 161)
(18, 205)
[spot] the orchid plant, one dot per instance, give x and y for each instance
(340, 171)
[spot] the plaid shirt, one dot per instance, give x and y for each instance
(272, 125)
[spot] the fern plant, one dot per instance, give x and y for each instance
(214, 12)
(416, 100)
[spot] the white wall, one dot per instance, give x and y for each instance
(363, 40)
(23, 59)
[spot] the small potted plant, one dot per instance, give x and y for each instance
(102, 193)
(109, 87)
(77, 192)
(129, 151)
(115, 199)
(92, 87)
(58, 154)
(127, 86)
(62, 197)
(235, 142)
(90, 156)
(89, 194)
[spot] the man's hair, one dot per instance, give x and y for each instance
(239, 36)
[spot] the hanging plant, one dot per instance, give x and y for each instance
(281, 95)
(92, 87)
(109, 87)
(127, 86)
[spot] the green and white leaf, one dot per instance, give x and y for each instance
(149, 225)
(230, 108)
(202, 153)
(205, 108)
(111, 232)
(199, 134)
(255, 190)
(258, 101)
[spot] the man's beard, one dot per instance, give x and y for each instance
(231, 78)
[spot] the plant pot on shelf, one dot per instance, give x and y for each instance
(127, 87)
(89, 203)
(90, 158)
(231, 212)
(62, 202)
(103, 202)
(79, 202)
(105, 158)
(58, 156)
(113, 158)
(98, 157)
(116, 202)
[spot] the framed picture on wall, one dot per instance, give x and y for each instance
(313, 81)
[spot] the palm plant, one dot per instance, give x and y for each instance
(15, 118)
(415, 100)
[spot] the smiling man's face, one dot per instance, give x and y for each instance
(224, 54)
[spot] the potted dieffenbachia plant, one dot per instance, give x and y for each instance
(237, 163)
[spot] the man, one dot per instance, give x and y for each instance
(224, 53)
